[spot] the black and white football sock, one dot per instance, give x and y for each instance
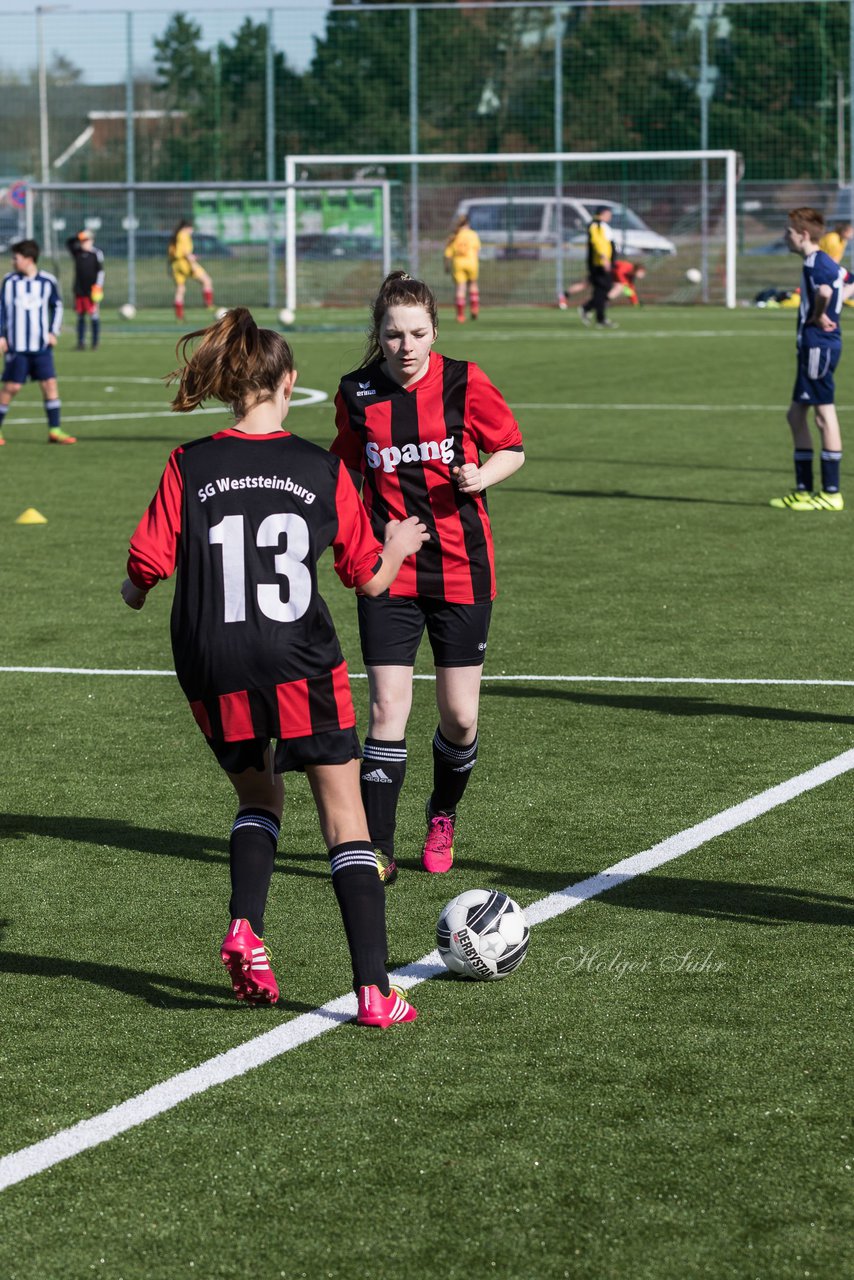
(361, 899)
(251, 857)
(452, 766)
(381, 776)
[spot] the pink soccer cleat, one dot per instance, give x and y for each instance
(437, 855)
(377, 1010)
(248, 963)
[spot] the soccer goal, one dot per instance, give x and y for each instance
(238, 229)
(673, 210)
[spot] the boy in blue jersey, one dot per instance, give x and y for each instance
(30, 323)
(819, 346)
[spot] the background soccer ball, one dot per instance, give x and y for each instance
(286, 315)
(127, 311)
(693, 275)
(482, 934)
(222, 313)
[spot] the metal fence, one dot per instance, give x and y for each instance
(209, 96)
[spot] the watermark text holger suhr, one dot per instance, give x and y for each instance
(618, 964)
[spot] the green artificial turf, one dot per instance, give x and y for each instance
(661, 1091)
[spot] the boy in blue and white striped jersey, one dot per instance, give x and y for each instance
(30, 324)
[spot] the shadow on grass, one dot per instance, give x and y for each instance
(667, 705)
(161, 990)
(106, 832)
(640, 497)
(737, 901)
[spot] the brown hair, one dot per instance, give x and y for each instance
(235, 362)
(807, 220)
(173, 239)
(26, 248)
(462, 221)
(397, 290)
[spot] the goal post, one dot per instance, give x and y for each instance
(240, 225)
(538, 214)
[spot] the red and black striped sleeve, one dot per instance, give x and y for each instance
(154, 545)
(488, 415)
(358, 554)
(347, 444)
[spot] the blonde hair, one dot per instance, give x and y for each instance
(397, 290)
(235, 362)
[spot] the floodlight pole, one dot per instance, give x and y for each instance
(43, 132)
(130, 160)
(270, 115)
(414, 230)
(560, 287)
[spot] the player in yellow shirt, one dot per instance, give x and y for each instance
(184, 264)
(600, 267)
(461, 260)
(835, 242)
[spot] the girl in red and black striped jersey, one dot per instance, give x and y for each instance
(414, 424)
(243, 516)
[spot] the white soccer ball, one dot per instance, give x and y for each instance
(222, 313)
(127, 311)
(286, 315)
(482, 934)
(693, 275)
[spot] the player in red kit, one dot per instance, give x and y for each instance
(626, 274)
(414, 425)
(243, 517)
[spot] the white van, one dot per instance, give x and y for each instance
(524, 226)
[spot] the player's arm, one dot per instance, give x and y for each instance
(360, 561)
(403, 538)
(495, 431)
(472, 478)
(347, 444)
(819, 316)
(154, 546)
(55, 308)
(98, 287)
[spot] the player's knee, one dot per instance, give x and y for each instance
(389, 713)
(12, 388)
(459, 724)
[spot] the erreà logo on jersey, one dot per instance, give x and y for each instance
(365, 389)
(391, 458)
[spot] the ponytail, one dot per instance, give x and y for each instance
(235, 362)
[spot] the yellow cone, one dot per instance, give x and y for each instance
(31, 516)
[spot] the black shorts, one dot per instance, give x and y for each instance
(391, 628)
(292, 754)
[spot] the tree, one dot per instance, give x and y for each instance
(186, 80)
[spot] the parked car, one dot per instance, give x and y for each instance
(524, 226)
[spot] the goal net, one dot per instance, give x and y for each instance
(674, 211)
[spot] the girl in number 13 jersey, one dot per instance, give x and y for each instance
(414, 424)
(243, 515)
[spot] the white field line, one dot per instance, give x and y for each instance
(310, 396)
(23, 1164)
(518, 678)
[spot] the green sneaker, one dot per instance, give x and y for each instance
(386, 868)
(827, 501)
(800, 500)
(57, 436)
(797, 500)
